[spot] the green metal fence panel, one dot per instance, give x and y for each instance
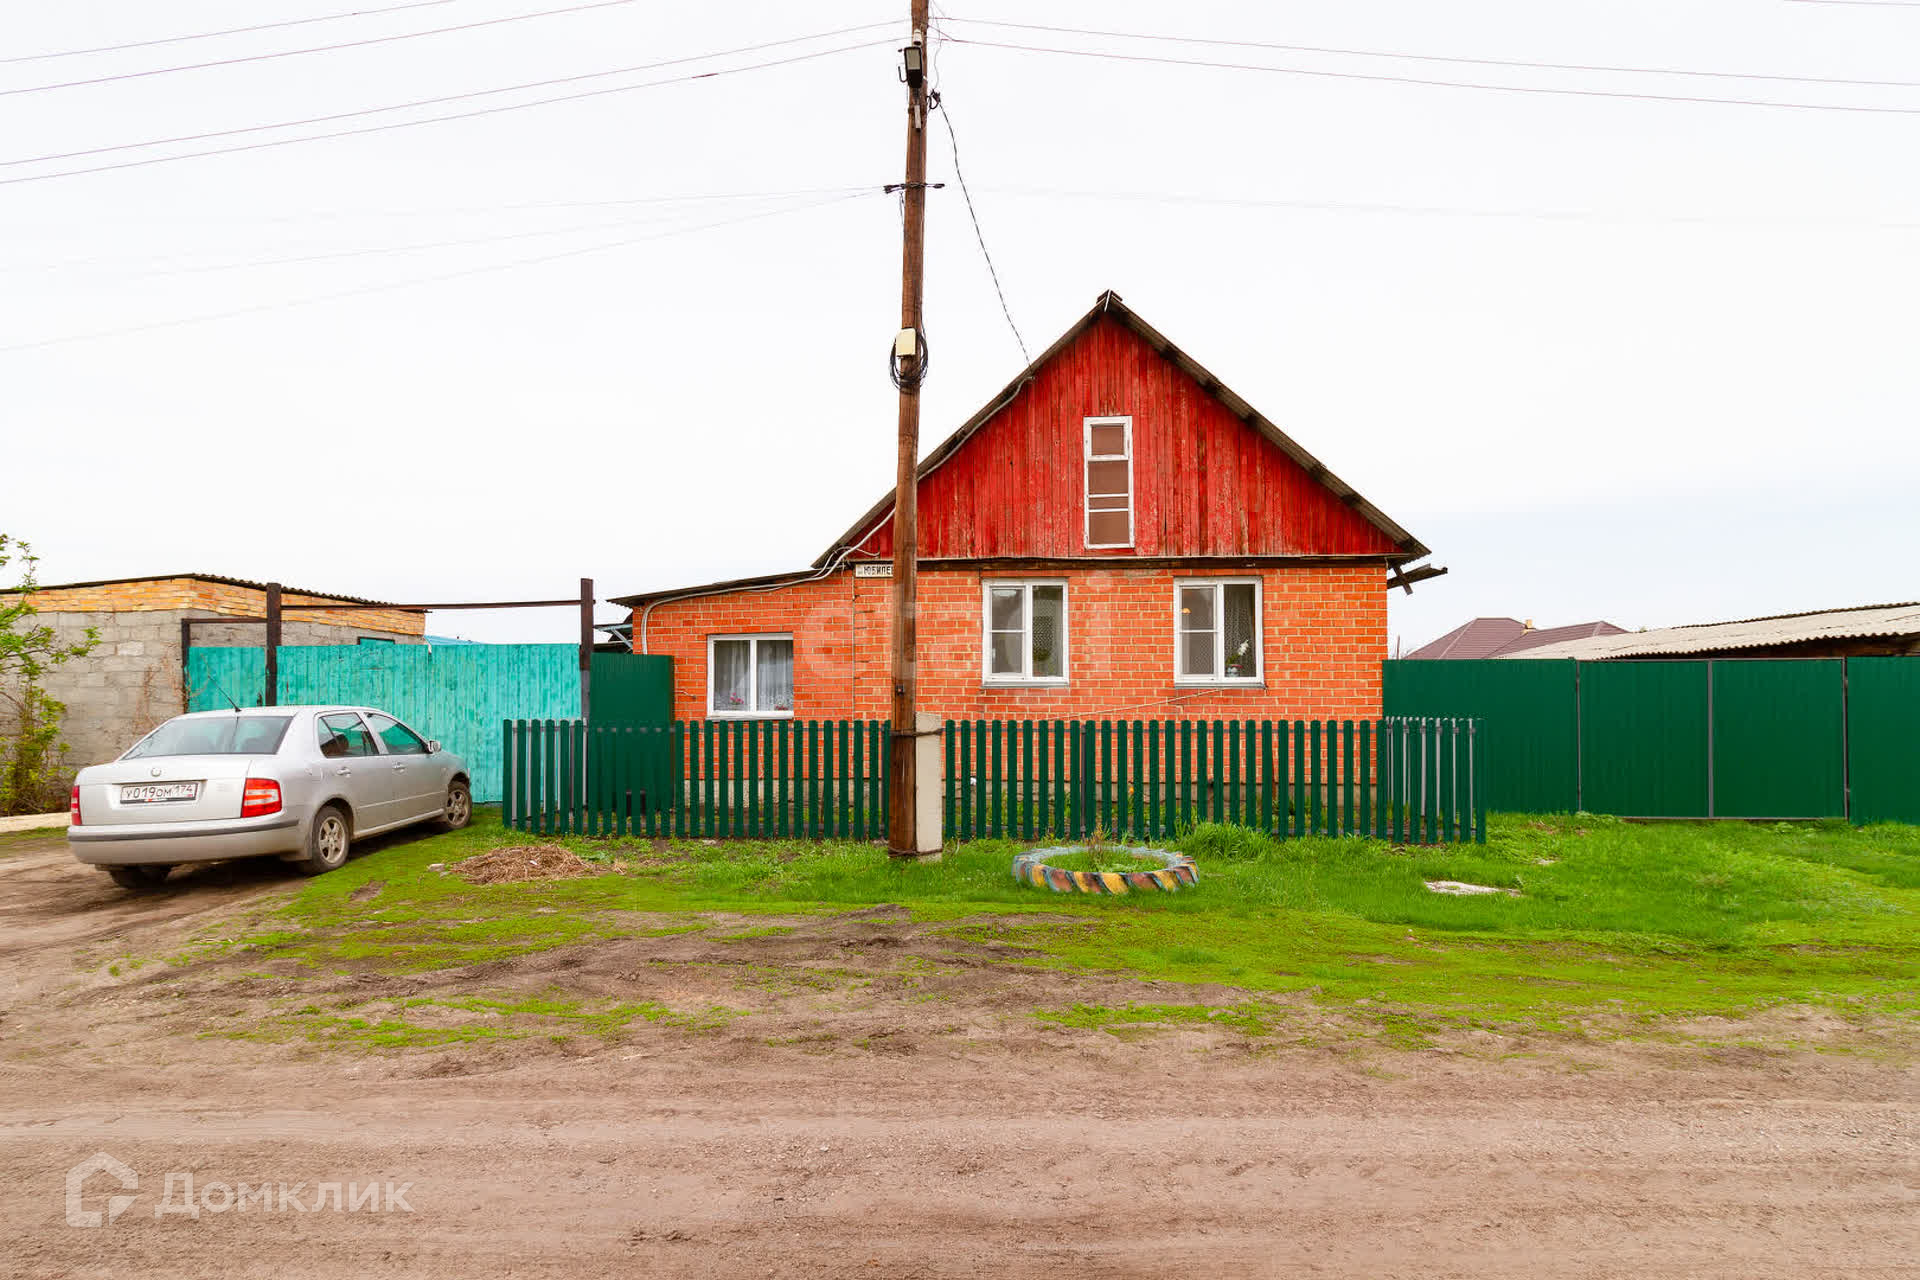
(1643, 738)
(632, 688)
(457, 693)
(1779, 738)
(1883, 738)
(1528, 707)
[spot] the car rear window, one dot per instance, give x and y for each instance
(214, 736)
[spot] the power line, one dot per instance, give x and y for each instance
(456, 115)
(434, 102)
(456, 211)
(1478, 62)
(230, 31)
(638, 219)
(1446, 211)
(324, 48)
(1442, 84)
(410, 282)
(954, 141)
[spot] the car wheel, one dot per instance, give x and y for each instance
(459, 811)
(143, 876)
(327, 842)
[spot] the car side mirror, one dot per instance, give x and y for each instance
(433, 746)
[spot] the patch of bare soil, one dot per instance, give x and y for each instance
(517, 863)
(879, 1100)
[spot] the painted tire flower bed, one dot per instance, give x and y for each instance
(1175, 870)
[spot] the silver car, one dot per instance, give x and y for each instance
(301, 783)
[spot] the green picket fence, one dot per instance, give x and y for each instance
(1408, 780)
(753, 779)
(1416, 781)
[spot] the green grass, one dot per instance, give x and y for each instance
(14, 841)
(1614, 923)
(1247, 1018)
(503, 1019)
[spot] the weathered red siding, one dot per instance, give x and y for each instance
(1205, 483)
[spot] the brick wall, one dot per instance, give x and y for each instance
(165, 594)
(1324, 632)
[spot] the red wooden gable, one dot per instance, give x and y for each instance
(1207, 481)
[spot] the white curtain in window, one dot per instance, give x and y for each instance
(732, 676)
(775, 659)
(1242, 641)
(1049, 631)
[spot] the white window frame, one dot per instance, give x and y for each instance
(1026, 677)
(1259, 677)
(1086, 498)
(753, 677)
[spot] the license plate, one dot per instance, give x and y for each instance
(159, 792)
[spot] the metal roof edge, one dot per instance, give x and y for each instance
(216, 578)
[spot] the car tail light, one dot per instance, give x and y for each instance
(261, 797)
(73, 806)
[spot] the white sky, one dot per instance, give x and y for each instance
(1651, 361)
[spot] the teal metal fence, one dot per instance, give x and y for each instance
(1721, 738)
(1408, 780)
(456, 693)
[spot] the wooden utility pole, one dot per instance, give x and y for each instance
(909, 366)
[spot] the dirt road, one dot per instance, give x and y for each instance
(903, 1115)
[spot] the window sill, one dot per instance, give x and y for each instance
(1256, 683)
(1024, 684)
(749, 715)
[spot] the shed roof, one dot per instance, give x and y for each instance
(1862, 621)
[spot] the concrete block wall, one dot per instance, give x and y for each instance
(1324, 630)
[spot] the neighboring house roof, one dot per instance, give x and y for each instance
(214, 577)
(1109, 304)
(1864, 621)
(1503, 637)
(1480, 638)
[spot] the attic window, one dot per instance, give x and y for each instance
(1109, 458)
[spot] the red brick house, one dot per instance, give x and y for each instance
(1114, 533)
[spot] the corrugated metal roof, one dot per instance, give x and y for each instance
(223, 581)
(1556, 635)
(1748, 633)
